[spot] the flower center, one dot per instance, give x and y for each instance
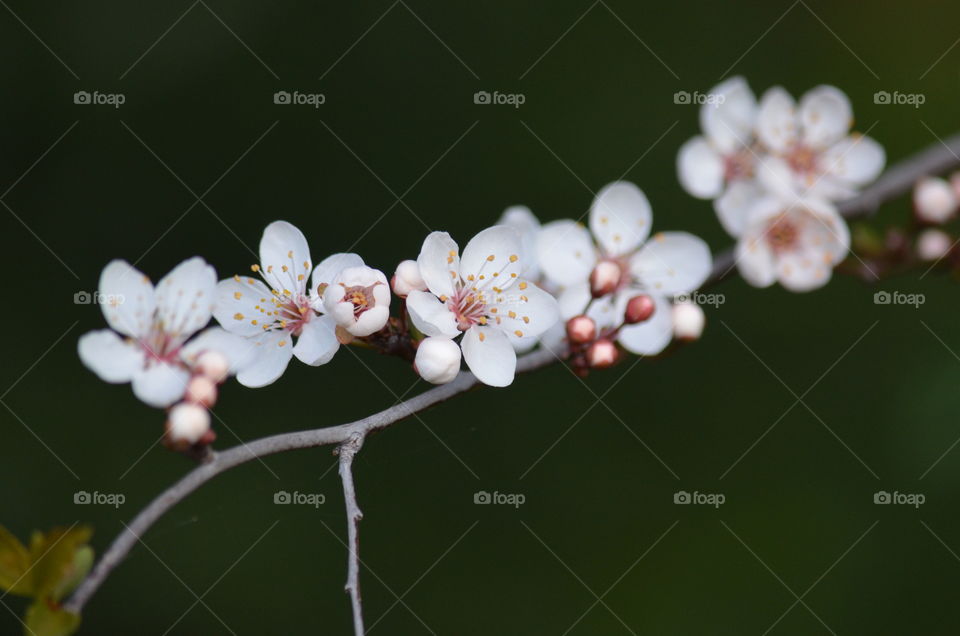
(292, 313)
(738, 165)
(360, 297)
(469, 306)
(802, 159)
(783, 234)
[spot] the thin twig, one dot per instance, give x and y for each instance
(347, 451)
(935, 159)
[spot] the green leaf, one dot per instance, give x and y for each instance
(14, 565)
(47, 619)
(54, 559)
(82, 562)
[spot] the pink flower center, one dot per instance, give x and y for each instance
(292, 313)
(738, 165)
(783, 234)
(802, 159)
(360, 297)
(469, 307)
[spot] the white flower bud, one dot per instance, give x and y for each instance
(214, 365)
(932, 245)
(688, 321)
(407, 278)
(934, 200)
(438, 360)
(187, 423)
(201, 390)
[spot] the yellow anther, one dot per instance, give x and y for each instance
(238, 316)
(254, 268)
(513, 258)
(282, 343)
(491, 257)
(519, 333)
(482, 336)
(290, 254)
(254, 322)
(237, 295)
(283, 267)
(236, 277)
(523, 285)
(526, 319)
(512, 314)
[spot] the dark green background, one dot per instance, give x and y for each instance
(398, 100)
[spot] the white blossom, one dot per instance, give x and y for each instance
(359, 300)
(934, 200)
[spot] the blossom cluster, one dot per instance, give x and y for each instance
(775, 170)
(574, 289)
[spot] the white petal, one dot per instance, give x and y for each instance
(729, 120)
(160, 384)
(126, 299)
(565, 252)
(284, 246)
(734, 205)
(700, 169)
(777, 120)
(526, 311)
(651, 336)
(439, 263)
(317, 341)
(606, 312)
(237, 349)
(802, 271)
(186, 297)
(620, 218)
(672, 263)
(493, 254)
(555, 340)
(110, 357)
(242, 305)
(520, 218)
(430, 316)
(573, 300)
(273, 353)
(370, 321)
(489, 355)
(329, 268)
(775, 175)
(755, 260)
(826, 116)
(856, 160)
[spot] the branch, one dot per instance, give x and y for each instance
(347, 451)
(936, 158)
(220, 462)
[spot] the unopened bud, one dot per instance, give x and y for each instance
(581, 329)
(214, 365)
(602, 354)
(688, 321)
(933, 244)
(437, 360)
(187, 423)
(604, 278)
(407, 278)
(201, 390)
(639, 309)
(934, 200)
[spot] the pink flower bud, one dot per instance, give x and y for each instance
(187, 423)
(581, 329)
(604, 278)
(201, 390)
(602, 354)
(639, 309)
(407, 278)
(214, 365)
(933, 244)
(934, 200)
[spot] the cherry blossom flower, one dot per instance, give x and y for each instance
(810, 149)
(527, 225)
(149, 344)
(622, 265)
(720, 163)
(269, 316)
(481, 296)
(797, 244)
(359, 300)
(934, 200)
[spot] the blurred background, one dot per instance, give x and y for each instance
(598, 462)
